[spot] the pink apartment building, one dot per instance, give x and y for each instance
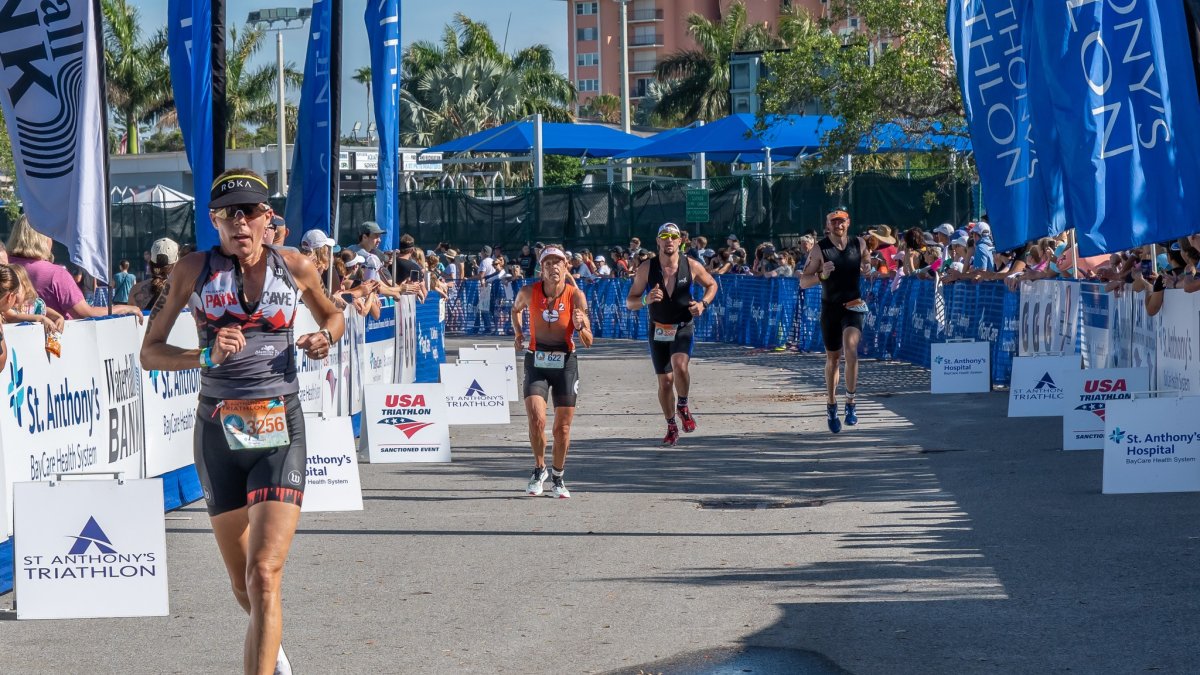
(657, 28)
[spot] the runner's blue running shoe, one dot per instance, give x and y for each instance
(851, 414)
(835, 425)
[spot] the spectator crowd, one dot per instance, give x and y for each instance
(366, 277)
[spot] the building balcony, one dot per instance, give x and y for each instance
(639, 15)
(655, 40)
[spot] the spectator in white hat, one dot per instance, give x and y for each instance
(602, 268)
(984, 257)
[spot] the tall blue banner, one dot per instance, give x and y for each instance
(1117, 82)
(189, 49)
(383, 34)
(313, 159)
(1021, 180)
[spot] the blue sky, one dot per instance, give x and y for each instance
(533, 21)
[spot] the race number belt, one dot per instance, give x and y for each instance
(665, 332)
(254, 424)
(550, 360)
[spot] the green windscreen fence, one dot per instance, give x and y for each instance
(597, 216)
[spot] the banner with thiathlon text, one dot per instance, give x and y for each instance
(383, 34)
(1022, 181)
(50, 76)
(1116, 83)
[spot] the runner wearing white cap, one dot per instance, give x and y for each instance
(672, 311)
(556, 312)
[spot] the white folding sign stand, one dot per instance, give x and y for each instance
(493, 353)
(86, 547)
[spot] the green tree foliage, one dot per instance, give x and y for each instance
(465, 83)
(138, 79)
(603, 107)
(8, 188)
(250, 93)
(912, 82)
(560, 170)
(165, 140)
(701, 87)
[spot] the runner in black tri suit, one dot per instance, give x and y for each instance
(669, 277)
(837, 263)
(249, 438)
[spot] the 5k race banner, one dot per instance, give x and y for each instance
(50, 75)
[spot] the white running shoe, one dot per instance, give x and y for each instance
(282, 665)
(560, 488)
(535, 481)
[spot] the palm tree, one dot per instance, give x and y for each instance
(703, 88)
(465, 83)
(604, 107)
(138, 79)
(250, 94)
(363, 77)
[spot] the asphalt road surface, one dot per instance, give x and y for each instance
(937, 537)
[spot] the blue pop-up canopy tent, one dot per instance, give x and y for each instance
(572, 140)
(736, 139)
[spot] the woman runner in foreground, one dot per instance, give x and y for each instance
(249, 438)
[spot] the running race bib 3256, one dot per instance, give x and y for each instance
(254, 424)
(549, 360)
(665, 332)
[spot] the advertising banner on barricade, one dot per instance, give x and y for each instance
(169, 401)
(1097, 325)
(406, 336)
(1178, 342)
(1121, 304)
(491, 354)
(118, 343)
(1038, 382)
(350, 348)
(57, 417)
(90, 549)
(1049, 318)
(476, 393)
(318, 378)
(331, 480)
(1085, 404)
(960, 367)
(377, 358)
(1144, 350)
(1152, 445)
(407, 423)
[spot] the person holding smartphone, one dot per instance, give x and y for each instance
(410, 276)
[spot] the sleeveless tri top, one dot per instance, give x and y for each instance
(546, 312)
(842, 286)
(267, 366)
(673, 308)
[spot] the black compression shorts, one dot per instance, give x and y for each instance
(235, 478)
(563, 382)
(661, 352)
(835, 319)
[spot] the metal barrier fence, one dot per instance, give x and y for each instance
(905, 318)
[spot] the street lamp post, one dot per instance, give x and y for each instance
(627, 168)
(279, 20)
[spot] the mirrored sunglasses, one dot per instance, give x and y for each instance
(668, 235)
(241, 211)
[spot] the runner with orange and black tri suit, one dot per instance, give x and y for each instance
(557, 310)
(669, 276)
